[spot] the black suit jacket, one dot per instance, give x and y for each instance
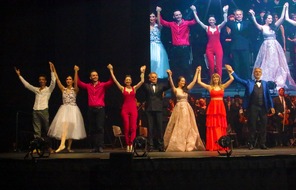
(154, 100)
(278, 106)
(240, 38)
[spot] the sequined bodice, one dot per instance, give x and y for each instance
(181, 96)
(155, 34)
(268, 34)
(69, 98)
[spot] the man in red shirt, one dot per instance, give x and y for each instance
(180, 52)
(96, 111)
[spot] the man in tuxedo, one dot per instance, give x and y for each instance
(240, 44)
(282, 106)
(258, 102)
(154, 110)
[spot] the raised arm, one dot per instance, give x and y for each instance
(254, 19)
(76, 69)
(110, 67)
(193, 8)
(169, 72)
(231, 79)
(202, 84)
(225, 14)
(287, 16)
(281, 19)
(142, 69)
(53, 69)
(191, 85)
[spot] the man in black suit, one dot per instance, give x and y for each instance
(240, 44)
(154, 110)
(282, 106)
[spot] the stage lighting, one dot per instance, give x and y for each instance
(226, 143)
(38, 146)
(140, 146)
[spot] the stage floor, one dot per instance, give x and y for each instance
(85, 154)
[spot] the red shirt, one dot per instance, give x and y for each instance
(180, 33)
(96, 93)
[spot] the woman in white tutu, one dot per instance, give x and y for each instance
(68, 122)
(271, 56)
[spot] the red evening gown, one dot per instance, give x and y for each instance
(216, 120)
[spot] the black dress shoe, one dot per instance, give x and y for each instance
(263, 146)
(251, 147)
(161, 149)
(95, 150)
(100, 150)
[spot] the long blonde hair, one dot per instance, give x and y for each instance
(219, 83)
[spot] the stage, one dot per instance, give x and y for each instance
(274, 168)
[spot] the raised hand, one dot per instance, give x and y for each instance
(143, 68)
(76, 68)
(18, 72)
(225, 8)
(193, 8)
(109, 66)
(158, 9)
(169, 72)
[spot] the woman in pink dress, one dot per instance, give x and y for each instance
(214, 49)
(181, 134)
(216, 121)
(129, 111)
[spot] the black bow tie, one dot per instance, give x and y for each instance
(238, 21)
(258, 81)
(153, 84)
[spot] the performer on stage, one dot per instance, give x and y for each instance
(129, 111)
(154, 110)
(181, 133)
(258, 102)
(214, 49)
(42, 93)
(96, 108)
(216, 121)
(68, 122)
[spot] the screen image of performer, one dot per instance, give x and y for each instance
(257, 101)
(214, 49)
(96, 107)
(216, 121)
(68, 122)
(271, 56)
(40, 118)
(181, 134)
(240, 46)
(180, 51)
(129, 111)
(159, 61)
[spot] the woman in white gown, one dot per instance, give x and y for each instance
(159, 61)
(271, 56)
(181, 133)
(68, 122)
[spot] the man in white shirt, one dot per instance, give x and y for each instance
(42, 93)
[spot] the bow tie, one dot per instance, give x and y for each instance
(153, 84)
(258, 81)
(238, 21)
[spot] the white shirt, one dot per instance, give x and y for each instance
(41, 96)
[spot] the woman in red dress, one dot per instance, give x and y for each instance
(214, 49)
(216, 122)
(129, 111)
